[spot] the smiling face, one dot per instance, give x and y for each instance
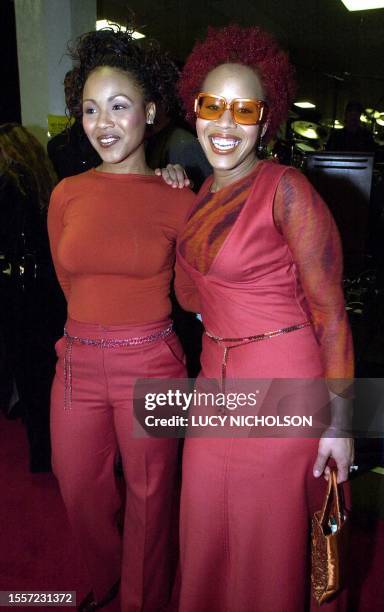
(114, 119)
(229, 146)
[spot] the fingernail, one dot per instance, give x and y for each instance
(316, 473)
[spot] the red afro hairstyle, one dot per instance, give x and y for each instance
(251, 47)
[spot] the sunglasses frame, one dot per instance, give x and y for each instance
(229, 106)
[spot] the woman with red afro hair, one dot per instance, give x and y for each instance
(264, 254)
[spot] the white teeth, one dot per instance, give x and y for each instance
(108, 140)
(224, 144)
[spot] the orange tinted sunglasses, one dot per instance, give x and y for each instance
(245, 111)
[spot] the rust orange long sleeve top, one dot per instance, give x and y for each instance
(113, 241)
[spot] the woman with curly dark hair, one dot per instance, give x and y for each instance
(112, 232)
(264, 253)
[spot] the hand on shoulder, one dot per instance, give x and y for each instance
(174, 175)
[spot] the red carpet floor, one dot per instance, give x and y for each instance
(37, 551)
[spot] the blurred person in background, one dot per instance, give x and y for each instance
(32, 304)
(353, 136)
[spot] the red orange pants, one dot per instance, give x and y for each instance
(86, 438)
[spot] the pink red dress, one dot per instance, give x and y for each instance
(246, 502)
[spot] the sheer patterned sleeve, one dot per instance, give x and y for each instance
(55, 229)
(310, 231)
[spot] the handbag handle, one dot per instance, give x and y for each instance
(331, 500)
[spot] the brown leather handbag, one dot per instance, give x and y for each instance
(328, 544)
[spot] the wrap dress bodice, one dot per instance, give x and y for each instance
(252, 285)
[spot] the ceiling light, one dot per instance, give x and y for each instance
(362, 5)
(104, 23)
(305, 104)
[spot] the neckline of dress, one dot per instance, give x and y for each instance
(254, 170)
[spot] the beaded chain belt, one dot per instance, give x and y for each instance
(248, 340)
(104, 343)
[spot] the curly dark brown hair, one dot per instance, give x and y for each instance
(252, 47)
(153, 70)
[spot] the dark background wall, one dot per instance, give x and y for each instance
(9, 76)
(338, 54)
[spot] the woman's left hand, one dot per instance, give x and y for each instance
(340, 449)
(174, 175)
